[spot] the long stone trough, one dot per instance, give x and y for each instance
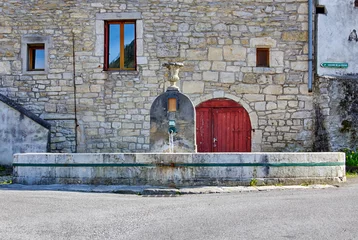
(179, 169)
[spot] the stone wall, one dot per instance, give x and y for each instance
(216, 40)
(337, 121)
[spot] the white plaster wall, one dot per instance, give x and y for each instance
(19, 134)
(332, 37)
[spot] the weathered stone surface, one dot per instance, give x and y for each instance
(164, 170)
(168, 50)
(227, 77)
(215, 54)
(211, 76)
(273, 89)
(193, 87)
(5, 68)
(234, 53)
(265, 41)
(196, 54)
(295, 36)
(245, 88)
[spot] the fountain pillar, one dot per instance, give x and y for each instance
(172, 118)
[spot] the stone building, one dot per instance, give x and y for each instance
(336, 88)
(93, 68)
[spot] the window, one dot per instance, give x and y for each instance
(356, 3)
(120, 45)
(320, 10)
(34, 54)
(262, 57)
(36, 57)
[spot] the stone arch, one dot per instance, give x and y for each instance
(257, 134)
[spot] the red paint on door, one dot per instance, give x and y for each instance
(222, 125)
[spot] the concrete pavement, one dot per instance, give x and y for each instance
(301, 213)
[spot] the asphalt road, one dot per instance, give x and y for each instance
(280, 214)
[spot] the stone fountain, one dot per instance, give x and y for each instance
(172, 118)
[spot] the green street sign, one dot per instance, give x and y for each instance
(334, 65)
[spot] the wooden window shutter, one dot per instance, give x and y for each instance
(105, 67)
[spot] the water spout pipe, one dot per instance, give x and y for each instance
(310, 55)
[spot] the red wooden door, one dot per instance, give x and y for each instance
(222, 125)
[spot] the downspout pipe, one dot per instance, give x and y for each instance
(310, 44)
(74, 87)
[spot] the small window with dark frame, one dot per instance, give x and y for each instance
(262, 57)
(356, 3)
(320, 9)
(36, 57)
(120, 45)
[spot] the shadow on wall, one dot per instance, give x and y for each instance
(20, 131)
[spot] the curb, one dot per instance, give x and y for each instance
(153, 190)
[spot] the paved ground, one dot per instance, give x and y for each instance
(329, 213)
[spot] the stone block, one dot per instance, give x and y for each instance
(290, 90)
(203, 27)
(271, 106)
(273, 89)
(299, 66)
(260, 106)
(183, 27)
(234, 53)
(264, 41)
(294, 36)
(246, 88)
(251, 60)
(227, 77)
(254, 97)
(142, 60)
(204, 65)
(215, 53)
(5, 68)
(279, 79)
(302, 114)
(168, 49)
(211, 76)
(276, 59)
(197, 54)
(218, 66)
(193, 87)
(197, 43)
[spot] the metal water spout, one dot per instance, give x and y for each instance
(174, 68)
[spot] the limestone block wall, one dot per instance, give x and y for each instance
(216, 40)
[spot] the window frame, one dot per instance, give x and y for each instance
(121, 43)
(31, 56)
(259, 51)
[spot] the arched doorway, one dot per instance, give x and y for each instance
(222, 125)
